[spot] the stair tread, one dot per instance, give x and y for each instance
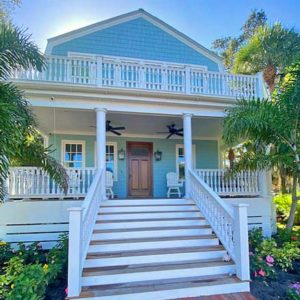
(157, 285)
(147, 220)
(150, 267)
(153, 239)
(112, 254)
(149, 205)
(147, 212)
(151, 228)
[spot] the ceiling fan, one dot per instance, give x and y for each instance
(172, 130)
(111, 128)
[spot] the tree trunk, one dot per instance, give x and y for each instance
(294, 203)
(269, 74)
(282, 175)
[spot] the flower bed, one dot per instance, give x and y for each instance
(31, 273)
(275, 265)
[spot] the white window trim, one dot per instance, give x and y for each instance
(193, 154)
(63, 147)
(115, 144)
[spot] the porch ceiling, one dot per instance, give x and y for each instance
(83, 122)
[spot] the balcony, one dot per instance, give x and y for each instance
(163, 77)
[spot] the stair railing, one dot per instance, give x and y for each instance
(81, 223)
(229, 223)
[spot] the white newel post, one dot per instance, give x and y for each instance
(101, 144)
(187, 137)
(74, 256)
(265, 183)
(241, 241)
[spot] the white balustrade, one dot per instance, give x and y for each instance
(143, 74)
(81, 224)
(242, 183)
(33, 182)
(229, 223)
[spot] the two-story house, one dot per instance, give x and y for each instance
(134, 111)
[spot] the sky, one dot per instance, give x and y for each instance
(202, 20)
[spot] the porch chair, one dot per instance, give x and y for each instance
(174, 184)
(109, 185)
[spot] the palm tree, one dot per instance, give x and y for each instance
(270, 50)
(273, 129)
(18, 136)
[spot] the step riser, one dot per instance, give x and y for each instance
(143, 259)
(145, 224)
(143, 216)
(148, 234)
(146, 202)
(181, 293)
(152, 245)
(156, 275)
(146, 208)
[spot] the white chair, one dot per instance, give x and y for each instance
(174, 184)
(109, 185)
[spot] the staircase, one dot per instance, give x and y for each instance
(155, 249)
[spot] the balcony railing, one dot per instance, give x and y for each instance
(113, 72)
(33, 182)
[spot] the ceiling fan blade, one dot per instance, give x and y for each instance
(180, 130)
(119, 128)
(115, 132)
(169, 135)
(178, 133)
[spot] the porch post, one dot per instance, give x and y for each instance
(101, 143)
(187, 137)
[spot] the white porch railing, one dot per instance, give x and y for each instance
(243, 183)
(33, 182)
(126, 73)
(81, 223)
(229, 223)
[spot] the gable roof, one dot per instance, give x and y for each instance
(54, 41)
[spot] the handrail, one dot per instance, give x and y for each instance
(128, 73)
(81, 223)
(229, 223)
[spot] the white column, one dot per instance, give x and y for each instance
(187, 137)
(101, 143)
(241, 241)
(74, 253)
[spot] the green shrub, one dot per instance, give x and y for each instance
(29, 272)
(293, 292)
(5, 253)
(283, 204)
(285, 235)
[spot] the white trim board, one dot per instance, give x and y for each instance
(131, 16)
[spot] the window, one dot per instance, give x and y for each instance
(111, 158)
(73, 154)
(180, 160)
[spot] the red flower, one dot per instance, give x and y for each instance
(66, 291)
(294, 238)
(262, 273)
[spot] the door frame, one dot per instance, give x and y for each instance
(150, 145)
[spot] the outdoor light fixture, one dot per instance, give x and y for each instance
(121, 154)
(157, 155)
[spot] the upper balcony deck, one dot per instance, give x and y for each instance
(162, 77)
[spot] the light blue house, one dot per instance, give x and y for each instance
(133, 99)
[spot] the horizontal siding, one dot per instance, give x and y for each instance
(139, 39)
(206, 157)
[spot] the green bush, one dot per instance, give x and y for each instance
(29, 273)
(5, 253)
(283, 204)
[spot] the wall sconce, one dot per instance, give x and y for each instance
(121, 154)
(157, 155)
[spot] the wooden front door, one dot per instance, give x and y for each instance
(139, 160)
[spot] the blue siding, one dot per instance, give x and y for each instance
(137, 38)
(206, 157)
